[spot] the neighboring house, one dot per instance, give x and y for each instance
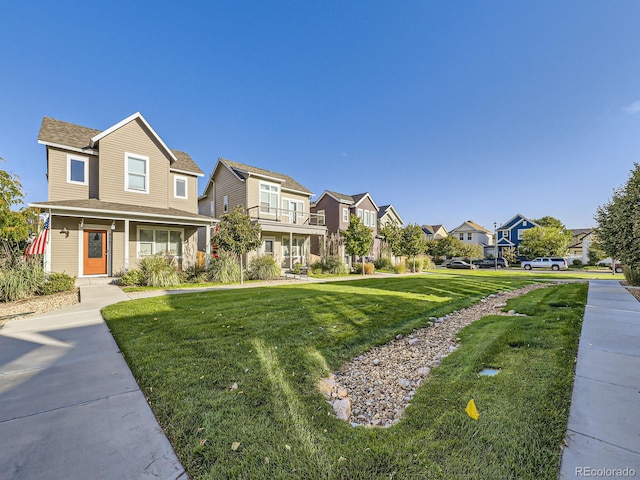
(434, 232)
(116, 196)
(580, 242)
(337, 209)
(510, 234)
(275, 201)
(387, 214)
(473, 234)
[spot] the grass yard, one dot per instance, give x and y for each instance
(187, 351)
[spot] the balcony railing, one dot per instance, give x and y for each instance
(292, 217)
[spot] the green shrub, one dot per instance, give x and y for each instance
(410, 266)
(297, 268)
(133, 277)
(196, 273)
(577, 262)
(400, 268)
(632, 276)
(427, 264)
(224, 269)
(336, 266)
(266, 268)
(20, 277)
(383, 263)
(159, 271)
(58, 282)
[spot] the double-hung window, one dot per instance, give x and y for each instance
(469, 236)
(136, 173)
(180, 187)
(159, 241)
(345, 215)
(77, 170)
(269, 198)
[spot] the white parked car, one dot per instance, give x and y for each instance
(545, 262)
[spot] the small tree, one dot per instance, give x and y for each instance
(595, 254)
(15, 225)
(544, 242)
(447, 247)
(618, 229)
(237, 234)
(412, 242)
(509, 254)
(470, 251)
(391, 234)
(358, 239)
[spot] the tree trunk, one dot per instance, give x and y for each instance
(241, 272)
(362, 265)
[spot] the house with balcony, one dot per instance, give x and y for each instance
(337, 209)
(277, 202)
(510, 233)
(116, 196)
(473, 234)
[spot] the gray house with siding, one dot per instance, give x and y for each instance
(116, 196)
(277, 202)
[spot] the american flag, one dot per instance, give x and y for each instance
(40, 243)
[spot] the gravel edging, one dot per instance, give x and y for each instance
(37, 305)
(374, 388)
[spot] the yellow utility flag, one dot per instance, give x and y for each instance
(471, 410)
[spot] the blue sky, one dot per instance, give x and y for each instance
(450, 111)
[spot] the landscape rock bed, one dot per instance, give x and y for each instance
(36, 305)
(375, 387)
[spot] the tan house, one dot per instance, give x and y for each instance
(116, 196)
(473, 234)
(434, 232)
(388, 214)
(275, 201)
(337, 209)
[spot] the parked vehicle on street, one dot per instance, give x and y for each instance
(554, 263)
(491, 263)
(460, 264)
(619, 268)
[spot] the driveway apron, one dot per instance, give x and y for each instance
(69, 405)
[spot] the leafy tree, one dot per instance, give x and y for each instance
(618, 229)
(358, 239)
(548, 221)
(237, 234)
(470, 251)
(391, 234)
(412, 242)
(15, 225)
(509, 254)
(544, 242)
(446, 247)
(595, 254)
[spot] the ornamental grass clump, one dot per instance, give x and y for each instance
(224, 269)
(159, 271)
(20, 277)
(58, 282)
(263, 268)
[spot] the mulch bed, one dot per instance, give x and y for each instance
(36, 305)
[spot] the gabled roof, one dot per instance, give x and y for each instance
(78, 138)
(474, 226)
(432, 229)
(515, 220)
(384, 209)
(351, 200)
(243, 171)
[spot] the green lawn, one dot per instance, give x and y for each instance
(276, 342)
(569, 274)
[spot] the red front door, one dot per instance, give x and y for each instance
(95, 252)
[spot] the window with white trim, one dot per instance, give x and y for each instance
(345, 214)
(212, 208)
(136, 173)
(461, 236)
(179, 186)
(267, 246)
(269, 197)
(77, 170)
(469, 236)
(159, 241)
(360, 213)
(225, 204)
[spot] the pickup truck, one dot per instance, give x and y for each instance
(545, 262)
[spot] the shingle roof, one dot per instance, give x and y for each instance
(478, 227)
(97, 205)
(342, 197)
(77, 136)
(287, 182)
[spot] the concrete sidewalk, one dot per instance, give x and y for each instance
(69, 405)
(603, 433)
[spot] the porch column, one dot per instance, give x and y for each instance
(126, 245)
(207, 246)
(290, 250)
